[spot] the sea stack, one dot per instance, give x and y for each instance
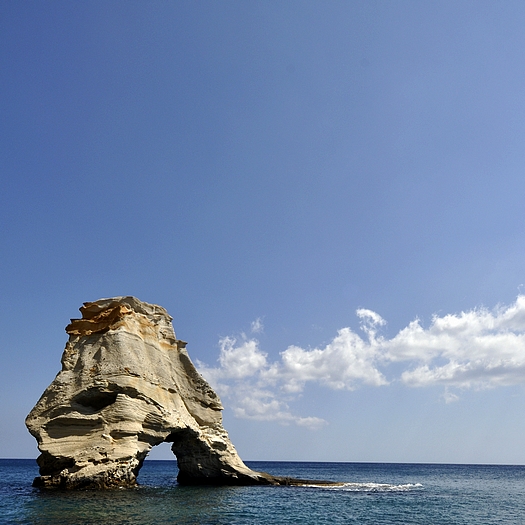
(126, 385)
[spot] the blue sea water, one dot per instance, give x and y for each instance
(374, 493)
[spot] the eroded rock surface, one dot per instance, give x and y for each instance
(126, 385)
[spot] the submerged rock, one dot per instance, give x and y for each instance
(126, 385)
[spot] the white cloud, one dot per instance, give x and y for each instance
(477, 349)
(239, 377)
(344, 363)
(257, 326)
(474, 349)
(449, 397)
(240, 361)
(263, 405)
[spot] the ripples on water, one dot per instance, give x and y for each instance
(372, 494)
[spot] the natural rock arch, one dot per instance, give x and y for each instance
(126, 385)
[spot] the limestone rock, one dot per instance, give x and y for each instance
(126, 385)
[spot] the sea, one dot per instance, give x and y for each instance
(373, 493)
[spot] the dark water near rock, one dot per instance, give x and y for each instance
(374, 494)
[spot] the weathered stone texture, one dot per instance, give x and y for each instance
(126, 385)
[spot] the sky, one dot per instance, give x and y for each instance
(326, 196)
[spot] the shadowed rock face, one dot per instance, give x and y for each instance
(126, 385)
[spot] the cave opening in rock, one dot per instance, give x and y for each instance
(159, 467)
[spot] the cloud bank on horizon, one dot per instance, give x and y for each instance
(476, 349)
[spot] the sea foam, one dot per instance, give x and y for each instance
(373, 487)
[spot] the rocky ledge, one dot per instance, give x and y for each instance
(126, 385)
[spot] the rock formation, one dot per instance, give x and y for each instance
(126, 385)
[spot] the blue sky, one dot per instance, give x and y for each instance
(326, 196)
